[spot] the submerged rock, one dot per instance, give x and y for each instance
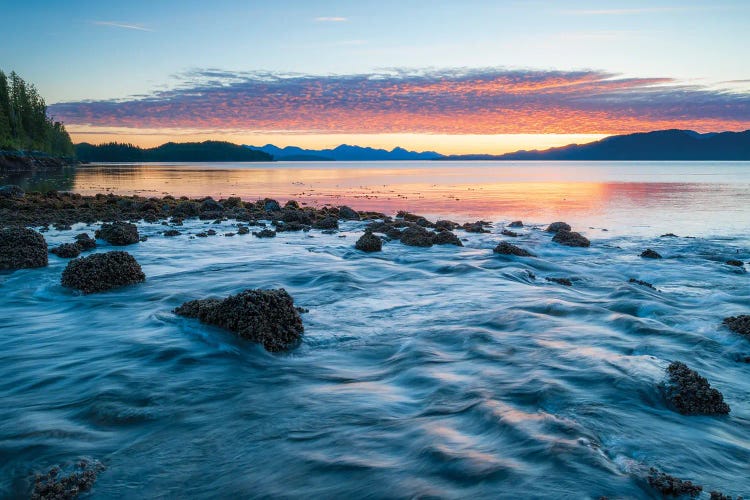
(506, 232)
(172, 232)
(368, 242)
(416, 236)
(735, 263)
(558, 226)
(119, 233)
(243, 230)
(446, 238)
(56, 486)
(85, 241)
(264, 316)
(691, 394)
(738, 324)
(671, 486)
(642, 283)
(571, 239)
(22, 248)
(102, 271)
(516, 223)
(347, 213)
(505, 248)
(67, 250)
(650, 254)
(264, 233)
(669, 235)
(560, 281)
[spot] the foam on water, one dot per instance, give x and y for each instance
(446, 372)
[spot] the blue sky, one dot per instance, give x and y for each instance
(86, 50)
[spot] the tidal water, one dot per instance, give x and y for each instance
(424, 373)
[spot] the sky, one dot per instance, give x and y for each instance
(474, 76)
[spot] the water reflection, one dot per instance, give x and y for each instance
(599, 194)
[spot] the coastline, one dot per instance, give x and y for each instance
(32, 161)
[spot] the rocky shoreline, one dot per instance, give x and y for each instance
(24, 161)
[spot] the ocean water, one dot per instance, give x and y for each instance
(443, 372)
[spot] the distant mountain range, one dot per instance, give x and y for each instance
(344, 152)
(663, 145)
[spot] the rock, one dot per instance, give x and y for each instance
(476, 227)
(506, 232)
(264, 233)
(172, 232)
(560, 281)
(738, 324)
(416, 236)
(243, 230)
(85, 241)
(285, 227)
(671, 486)
(347, 213)
(558, 226)
(22, 248)
(394, 233)
(736, 263)
(650, 254)
(446, 225)
(642, 283)
(56, 486)
(270, 205)
(211, 232)
(326, 223)
(571, 239)
(211, 205)
(691, 394)
(202, 235)
(505, 248)
(67, 250)
(446, 238)
(119, 233)
(296, 216)
(516, 223)
(717, 495)
(264, 316)
(669, 235)
(292, 204)
(368, 242)
(102, 271)
(233, 202)
(11, 191)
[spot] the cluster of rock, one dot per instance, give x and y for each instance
(691, 394)
(739, 324)
(82, 243)
(22, 248)
(119, 233)
(416, 231)
(54, 485)
(670, 486)
(264, 316)
(565, 236)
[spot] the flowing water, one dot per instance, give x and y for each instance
(443, 372)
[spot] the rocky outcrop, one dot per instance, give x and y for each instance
(326, 223)
(446, 238)
(650, 254)
(738, 324)
(102, 271)
(85, 242)
(119, 233)
(416, 236)
(67, 250)
(516, 223)
(505, 248)
(670, 486)
(54, 485)
(558, 226)
(571, 239)
(509, 233)
(264, 316)
(264, 233)
(368, 242)
(171, 232)
(22, 248)
(347, 213)
(691, 394)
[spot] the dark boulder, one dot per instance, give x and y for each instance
(506, 232)
(67, 250)
(446, 238)
(292, 204)
(571, 239)
(11, 191)
(516, 223)
(560, 281)
(446, 224)
(347, 213)
(264, 316)
(394, 233)
(326, 223)
(735, 263)
(505, 248)
(243, 230)
(233, 202)
(119, 233)
(738, 324)
(558, 226)
(669, 235)
(85, 241)
(102, 271)
(416, 236)
(670, 486)
(265, 233)
(270, 205)
(211, 205)
(650, 254)
(476, 227)
(22, 248)
(368, 242)
(54, 485)
(691, 394)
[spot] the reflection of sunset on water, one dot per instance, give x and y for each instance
(595, 194)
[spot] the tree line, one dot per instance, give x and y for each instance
(171, 151)
(24, 124)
